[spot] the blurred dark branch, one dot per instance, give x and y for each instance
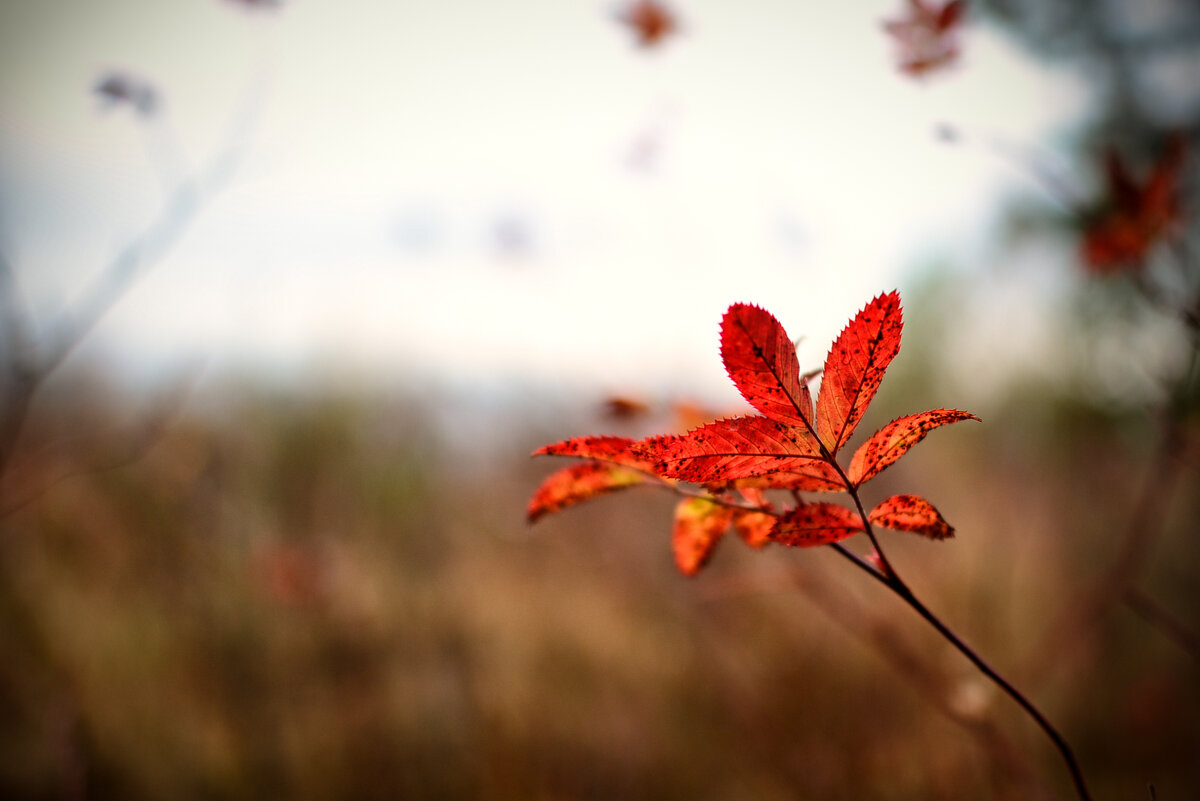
(948, 695)
(135, 259)
(151, 427)
(1161, 618)
(25, 366)
(18, 372)
(1080, 621)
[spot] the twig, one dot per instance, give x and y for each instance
(908, 661)
(24, 369)
(1157, 615)
(1142, 528)
(891, 579)
(149, 433)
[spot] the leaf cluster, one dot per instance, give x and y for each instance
(792, 443)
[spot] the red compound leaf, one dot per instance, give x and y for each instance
(815, 476)
(855, 366)
(699, 526)
(816, 524)
(892, 441)
(911, 513)
(580, 482)
(737, 447)
(617, 450)
(761, 361)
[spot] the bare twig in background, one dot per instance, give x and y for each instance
(25, 365)
(137, 442)
(1079, 621)
(1012, 772)
(1154, 613)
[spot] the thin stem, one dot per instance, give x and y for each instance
(1157, 615)
(891, 579)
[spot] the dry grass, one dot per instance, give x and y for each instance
(312, 600)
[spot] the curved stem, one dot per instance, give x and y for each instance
(886, 574)
(891, 579)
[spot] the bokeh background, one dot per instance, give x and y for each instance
(292, 289)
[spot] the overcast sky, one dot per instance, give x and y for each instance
(499, 189)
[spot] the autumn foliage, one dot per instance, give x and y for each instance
(650, 22)
(927, 36)
(1134, 215)
(793, 443)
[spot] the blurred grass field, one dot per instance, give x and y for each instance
(325, 597)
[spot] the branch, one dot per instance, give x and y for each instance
(1154, 613)
(24, 369)
(891, 579)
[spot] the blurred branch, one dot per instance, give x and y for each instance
(949, 696)
(1082, 619)
(1079, 621)
(19, 371)
(1157, 615)
(148, 433)
(25, 366)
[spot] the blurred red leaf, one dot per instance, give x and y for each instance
(816, 524)
(651, 22)
(761, 361)
(911, 513)
(855, 367)
(927, 37)
(699, 526)
(894, 440)
(754, 527)
(291, 574)
(1133, 218)
(622, 408)
(579, 482)
(258, 4)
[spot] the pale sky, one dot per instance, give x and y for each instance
(500, 189)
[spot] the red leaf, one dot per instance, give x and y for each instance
(855, 366)
(761, 360)
(737, 447)
(926, 39)
(815, 476)
(650, 21)
(699, 526)
(617, 450)
(619, 407)
(911, 513)
(893, 440)
(579, 482)
(754, 527)
(1135, 217)
(951, 15)
(816, 524)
